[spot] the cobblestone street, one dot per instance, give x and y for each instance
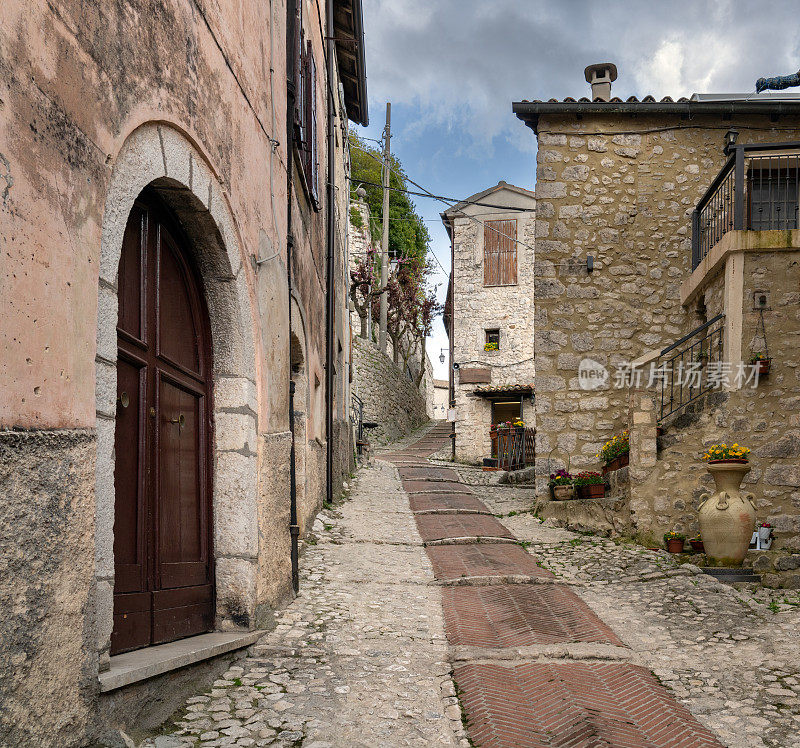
(559, 652)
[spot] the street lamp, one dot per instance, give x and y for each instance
(441, 356)
(730, 139)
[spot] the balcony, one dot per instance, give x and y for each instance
(756, 190)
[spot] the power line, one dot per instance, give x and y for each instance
(449, 202)
(446, 200)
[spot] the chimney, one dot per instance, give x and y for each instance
(601, 76)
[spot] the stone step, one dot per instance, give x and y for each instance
(729, 576)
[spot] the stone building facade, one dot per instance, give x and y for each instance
(490, 314)
(165, 231)
(617, 185)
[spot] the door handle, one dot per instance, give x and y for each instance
(123, 399)
(180, 420)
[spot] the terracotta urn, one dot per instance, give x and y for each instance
(728, 515)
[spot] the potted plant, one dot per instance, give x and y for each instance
(727, 516)
(697, 544)
(701, 357)
(561, 485)
(763, 362)
(720, 453)
(674, 541)
(491, 347)
(764, 530)
(589, 485)
(614, 453)
(519, 423)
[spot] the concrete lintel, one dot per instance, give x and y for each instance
(142, 664)
(732, 242)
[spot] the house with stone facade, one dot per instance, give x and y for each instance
(489, 315)
(667, 234)
(175, 403)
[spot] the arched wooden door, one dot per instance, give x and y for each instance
(163, 583)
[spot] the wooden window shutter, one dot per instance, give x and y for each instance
(312, 127)
(500, 253)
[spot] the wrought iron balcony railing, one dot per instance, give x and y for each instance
(757, 189)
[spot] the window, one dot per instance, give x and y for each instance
(500, 253)
(492, 342)
(773, 194)
(306, 120)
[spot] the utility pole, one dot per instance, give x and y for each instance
(385, 241)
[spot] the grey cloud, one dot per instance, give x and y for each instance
(464, 61)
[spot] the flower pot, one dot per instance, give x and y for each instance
(563, 493)
(764, 366)
(623, 460)
(675, 546)
(729, 460)
(697, 546)
(613, 465)
(764, 532)
(596, 491)
(727, 517)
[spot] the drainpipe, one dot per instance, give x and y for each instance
(291, 96)
(330, 316)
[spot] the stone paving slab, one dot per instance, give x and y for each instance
(447, 526)
(520, 615)
(545, 705)
(431, 502)
(427, 474)
(425, 486)
(454, 561)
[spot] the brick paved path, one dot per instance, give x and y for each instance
(534, 665)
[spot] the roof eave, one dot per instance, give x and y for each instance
(357, 106)
(529, 111)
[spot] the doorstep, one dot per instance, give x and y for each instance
(132, 667)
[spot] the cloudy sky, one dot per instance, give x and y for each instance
(451, 69)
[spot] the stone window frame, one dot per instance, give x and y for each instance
(166, 159)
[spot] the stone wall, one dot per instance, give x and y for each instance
(477, 308)
(390, 397)
(622, 190)
(49, 648)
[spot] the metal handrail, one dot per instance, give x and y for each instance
(694, 332)
(705, 347)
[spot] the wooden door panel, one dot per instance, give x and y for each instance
(129, 506)
(183, 612)
(180, 485)
(133, 621)
(132, 276)
(177, 336)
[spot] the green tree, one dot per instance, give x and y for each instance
(408, 236)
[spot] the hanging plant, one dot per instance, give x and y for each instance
(762, 359)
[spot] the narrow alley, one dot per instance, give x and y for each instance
(414, 591)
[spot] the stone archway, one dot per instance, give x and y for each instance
(163, 159)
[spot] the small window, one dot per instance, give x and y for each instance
(492, 340)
